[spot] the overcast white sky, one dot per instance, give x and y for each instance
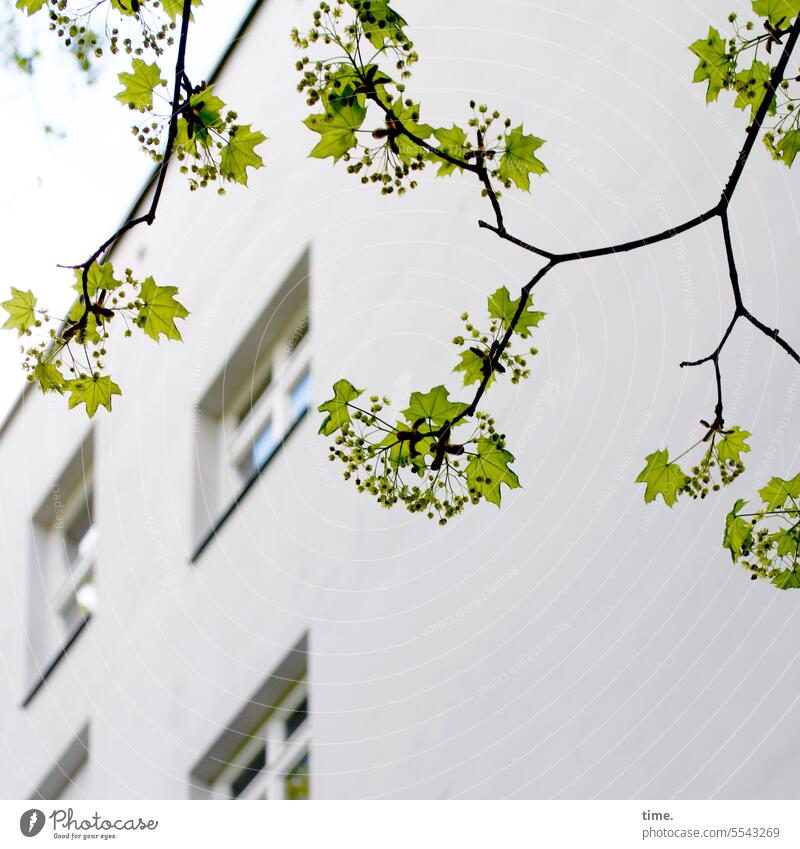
(61, 197)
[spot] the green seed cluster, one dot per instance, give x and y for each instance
(712, 473)
(374, 459)
(152, 30)
(200, 159)
(393, 161)
(744, 48)
(490, 143)
(768, 553)
(484, 343)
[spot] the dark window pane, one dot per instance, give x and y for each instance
(248, 773)
(297, 783)
(257, 390)
(296, 718)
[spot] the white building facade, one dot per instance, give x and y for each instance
(195, 605)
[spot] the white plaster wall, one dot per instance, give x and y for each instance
(613, 650)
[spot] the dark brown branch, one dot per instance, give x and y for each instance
(720, 210)
(502, 345)
(740, 311)
(150, 216)
(741, 160)
(753, 130)
(399, 127)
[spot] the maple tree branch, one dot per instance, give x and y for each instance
(150, 216)
(719, 210)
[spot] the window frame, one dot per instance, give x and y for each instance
(73, 575)
(282, 753)
(240, 432)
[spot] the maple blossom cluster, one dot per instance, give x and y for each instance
(439, 454)
(70, 357)
(369, 123)
(420, 461)
(443, 454)
(766, 541)
(741, 64)
(485, 357)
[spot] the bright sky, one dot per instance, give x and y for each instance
(62, 196)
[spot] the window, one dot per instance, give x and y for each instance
(69, 775)
(276, 394)
(74, 597)
(273, 762)
(64, 561)
(255, 401)
(264, 750)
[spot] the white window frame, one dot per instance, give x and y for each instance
(67, 579)
(281, 754)
(287, 368)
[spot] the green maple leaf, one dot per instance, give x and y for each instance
(338, 413)
(789, 146)
(778, 491)
(379, 21)
(714, 63)
(452, 142)
(173, 8)
(100, 276)
(488, 469)
(472, 365)
(239, 153)
(21, 309)
(778, 11)
(751, 86)
(738, 531)
(662, 478)
(434, 407)
(31, 7)
(408, 115)
(337, 126)
(159, 311)
(138, 86)
(789, 579)
(787, 542)
(733, 444)
(49, 377)
(519, 160)
(94, 391)
(503, 307)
